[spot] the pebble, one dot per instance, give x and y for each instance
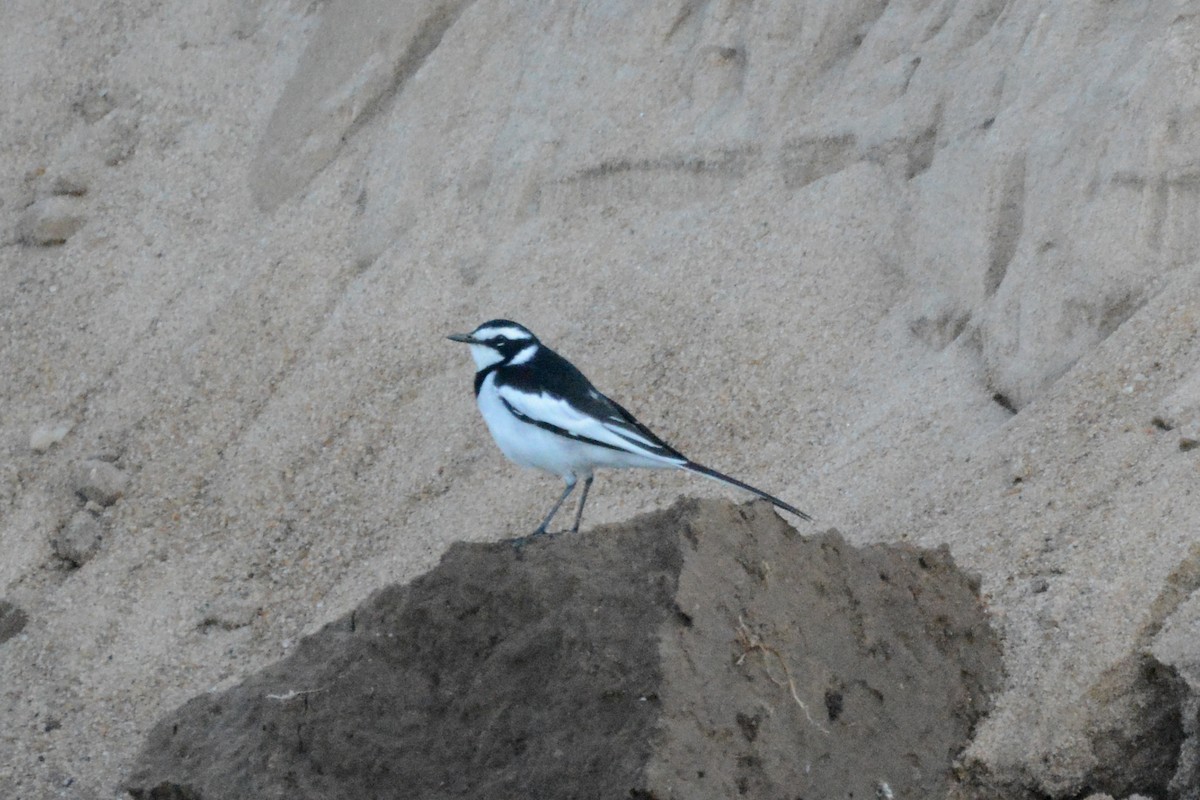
(100, 481)
(72, 181)
(12, 621)
(79, 539)
(46, 436)
(51, 220)
(229, 614)
(10, 484)
(96, 105)
(117, 136)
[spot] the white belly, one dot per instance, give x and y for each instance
(531, 446)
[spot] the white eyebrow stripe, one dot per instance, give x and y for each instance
(506, 331)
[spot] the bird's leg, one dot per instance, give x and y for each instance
(520, 542)
(587, 484)
(541, 529)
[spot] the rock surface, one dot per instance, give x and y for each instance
(706, 651)
(927, 270)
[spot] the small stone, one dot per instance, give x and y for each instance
(10, 484)
(117, 136)
(46, 436)
(51, 220)
(1187, 443)
(100, 482)
(95, 105)
(71, 181)
(12, 621)
(229, 614)
(79, 539)
(1018, 470)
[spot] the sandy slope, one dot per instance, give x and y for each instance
(829, 248)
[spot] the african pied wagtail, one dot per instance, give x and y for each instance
(544, 413)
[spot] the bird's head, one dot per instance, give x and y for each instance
(498, 341)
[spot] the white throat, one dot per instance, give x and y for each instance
(484, 356)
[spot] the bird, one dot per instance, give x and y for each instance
(543, 413)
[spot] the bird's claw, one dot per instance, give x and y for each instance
(519, 542)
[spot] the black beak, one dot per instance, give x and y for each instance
(465, 338)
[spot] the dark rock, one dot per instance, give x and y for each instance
(166, 791)
(691, 653)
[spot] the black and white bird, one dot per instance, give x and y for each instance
(544, 413)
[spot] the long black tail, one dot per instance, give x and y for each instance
(700, 469)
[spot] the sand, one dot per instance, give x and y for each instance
(928, 271)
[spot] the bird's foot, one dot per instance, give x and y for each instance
(519, 542)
